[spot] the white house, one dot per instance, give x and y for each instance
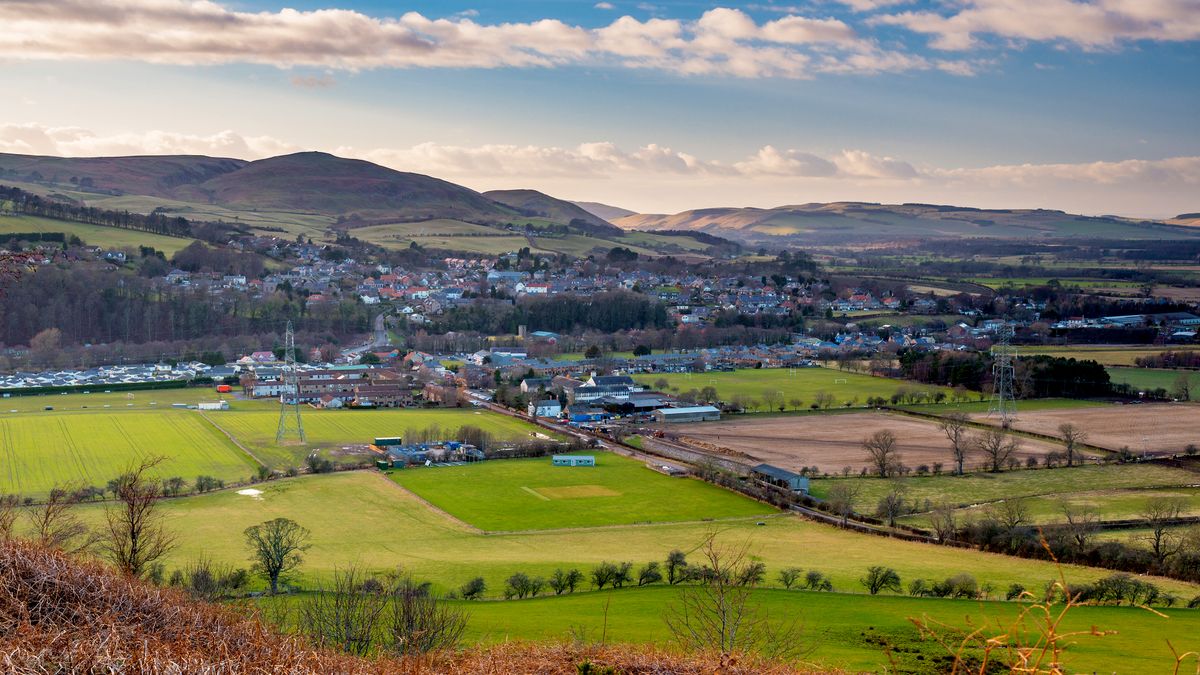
(547, 408)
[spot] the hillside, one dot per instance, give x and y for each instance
(538, 204)
(156, 176)
(605, 211)
(858, 222)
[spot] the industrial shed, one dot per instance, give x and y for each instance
(696, 413)
(781, 478)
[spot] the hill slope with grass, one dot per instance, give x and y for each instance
(541, 205)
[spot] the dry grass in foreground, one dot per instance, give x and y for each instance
(59, 614)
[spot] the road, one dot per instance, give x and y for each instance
(379, 338)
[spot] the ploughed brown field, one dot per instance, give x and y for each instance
(1157, 427)
(831, 442)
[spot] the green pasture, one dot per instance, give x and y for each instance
(846, 630)
(795, 383)
(979, 488)
(1147, 379)
(364, 518)
(1024, 282)
(532, 494)
(41, 450)
(333, 429)
(95, 235)
(1114, 504)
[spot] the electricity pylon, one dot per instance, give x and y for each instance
(289, 397)
(1003, 373)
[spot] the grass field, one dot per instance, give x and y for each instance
(845, 630)
(1146, 379)
(363, 518)
(531, 494)
(1025, 405)
(1109, 355)
(95, 235)
(43, 449)
(986, 487)
(799, 383)
(333, 429)
(1114, 504)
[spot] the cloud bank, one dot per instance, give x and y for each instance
(662, 179)
(201, 32)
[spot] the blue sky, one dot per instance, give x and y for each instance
(1085, 105)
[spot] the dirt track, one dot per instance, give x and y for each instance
(834, 441)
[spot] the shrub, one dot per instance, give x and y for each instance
(473, 589)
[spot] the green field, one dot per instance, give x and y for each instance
(1027, 405)
(95, 235)
(43, 449)
(93, 437)
(978, 488)
(364, 518)
(332, 429)
(1146, 379)
(844, 629)
(1114, 504)
(1022, 282)
(531, 494)
(799, 383)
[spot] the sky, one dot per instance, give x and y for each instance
(1090, 106)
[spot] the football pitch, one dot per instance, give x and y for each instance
(532, 494)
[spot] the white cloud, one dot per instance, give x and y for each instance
(722, 41)
(603, 5)
(659, 178)
(36, 139)
(1094, 24)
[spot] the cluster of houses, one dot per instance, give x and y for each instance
(394, 453)
(1179, 326)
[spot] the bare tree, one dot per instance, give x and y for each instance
(718, 612)
(134, 536)
(344, 616)
(841, 498)
(1072, 437)
(944, 521)
(882, 453)
(998, 446)
(9, 510)
(419, 622)
(1011, 515)
(955, 427)
(1082, 523)
(55, 523)
(823, 400)
(891, 505)
(1160, 513)
(275, 547)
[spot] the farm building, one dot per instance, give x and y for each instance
(574, 460)
(696, 413)
(781, 478)
(213, 405)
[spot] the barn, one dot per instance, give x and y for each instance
(780, 478)
(696, 413)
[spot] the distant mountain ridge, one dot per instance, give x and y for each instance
(351, 193)
(863, 222)
(605, 211)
